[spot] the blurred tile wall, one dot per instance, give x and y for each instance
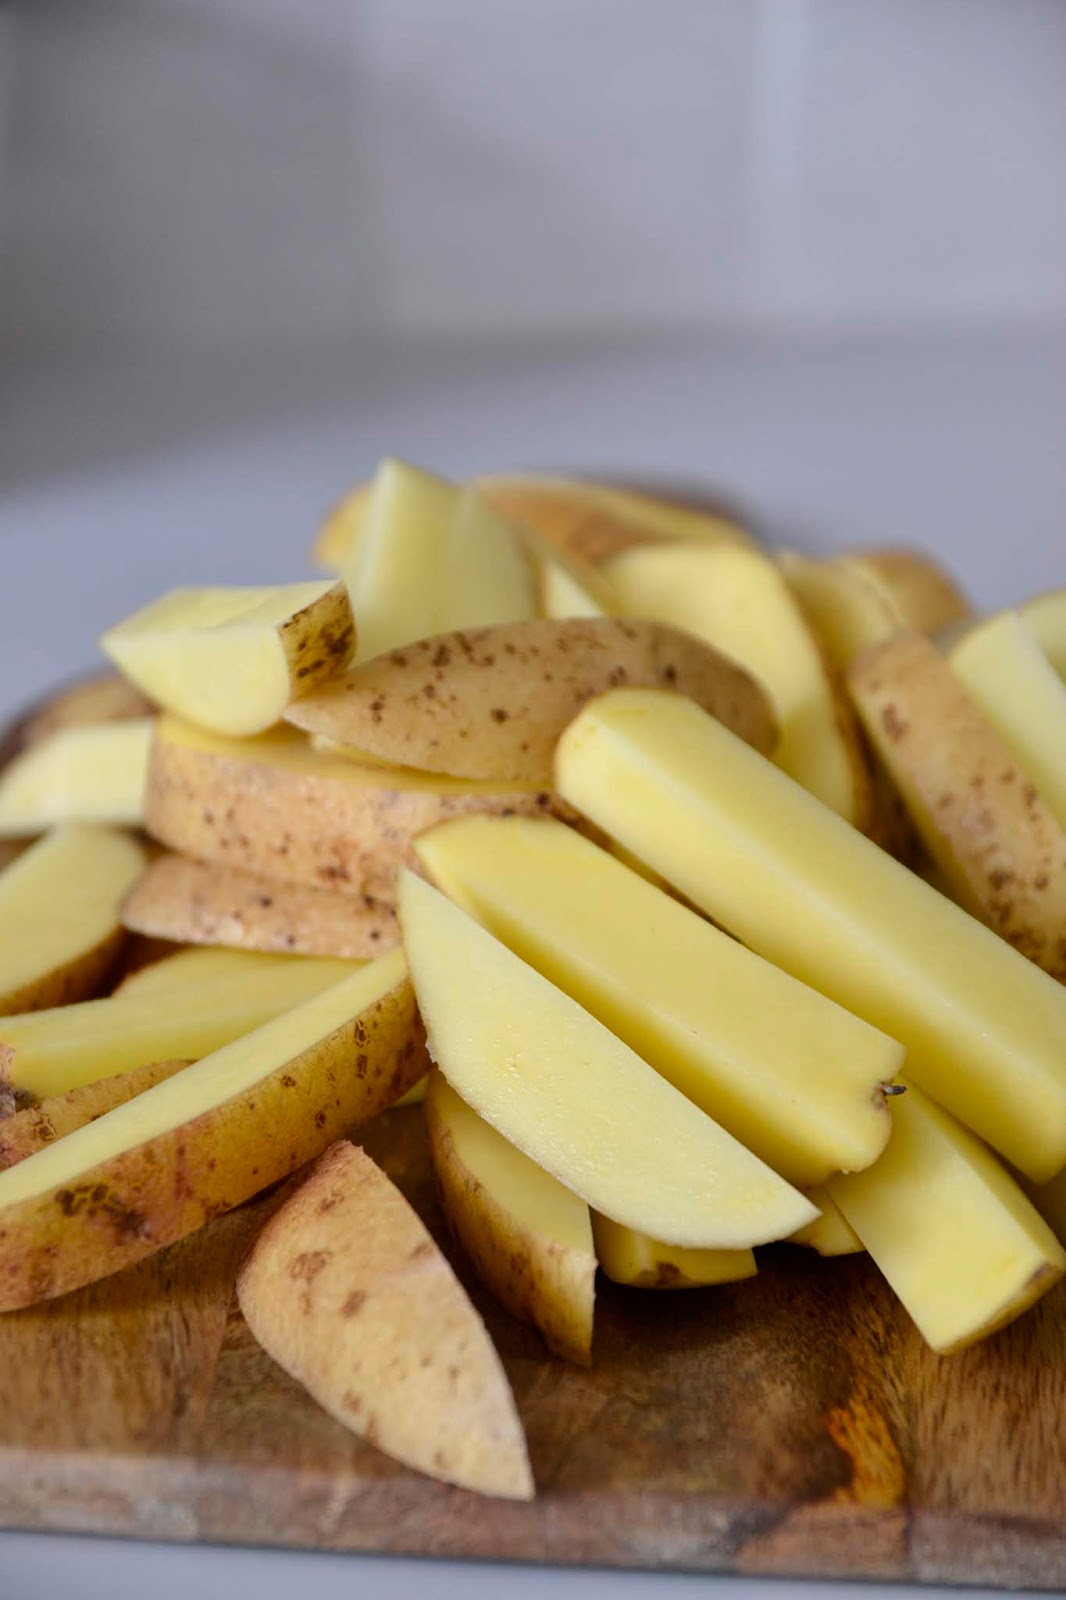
(186, 173)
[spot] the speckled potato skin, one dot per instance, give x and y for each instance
(347, 1291)
(539, 1282)
(491, 703)
(319, 641)
(925, 596)
(575, 522)
(197, 902)
(82, 978)
(124, 1209)
(324, 832)
(1001, 852)
(104, 697)
(34, 1127)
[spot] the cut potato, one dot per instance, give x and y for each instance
(1008, 677)
(60, 923)
(1048, 1198)
(155, 1169)
(203, 903)
(529, 1237)
(633, 1259)
(923, 595)
(848, 610)
(272, 805)
(735, 598)
(952, 1232)
(53, 1051)
(831, 1234)
(37, 1126)
(794, 1077)
(232, 659)
(432, 557)
(1046, 617)
(346, 1290)
(574, 1098)
(183, 969)
(491, 704)
(983, 1027)
(997, 844)
(82, 774)
(104, 697)
(339, 530)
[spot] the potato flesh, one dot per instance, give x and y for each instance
(38, 1126)
(633, 1259)
(574, 1098)
(789, 1074)
(93, 773)
(1046, 617)
(984, 1028)
(952, 1232)
(185, 969)
(848, 611)
(831, 1234)
(922, 594)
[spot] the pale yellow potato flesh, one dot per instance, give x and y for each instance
(187, 968)
(791, 1075)
(37, 1126)
(347, 1291)
(831, 1234)
(735, 598)
(925, 597)
(529, 1237)
(339, 529)
(848, 610)
(983, 1027)
(104, 697)
(574, 1098)
(1048, 1198)
(1001, 666)
(1046, 616)
(53, 1051)
(998, 845)
(232, 659)
(91, 773)
(956, 1238)
(633, 1259)
(60, 915)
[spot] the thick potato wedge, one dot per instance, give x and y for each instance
(1048, 1198)
(633, 1259)
(831, 1234)
(999, 847)
(614, 1132)
(204, 903)
(984, 1028)
(1045, 616)
(233, 659)
(94, 773)
(795, 1078)
(491, 704)
(847, 609)
(60, 924)
(183, 969)
(339, 529)
(104, 697)
(35, 1127)
(201, 1142)
(529, 1238)
(347, 1291)
(950, 1229)
(924, 596)
(274, 806)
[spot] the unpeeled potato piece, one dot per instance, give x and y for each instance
(37, 1126)
(103, 697)
(83, 773)
(640, 1262)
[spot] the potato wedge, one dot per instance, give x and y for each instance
(346, 1290)
(103, 697)
(795, 1078)
(274, 806)
(631, 1258)
(1048, 1198)
(94, 773)
(847, 609)
(201, 1142)
(831, 1234)
(491, 704)
(185, 969)
(950, 1229)
(924, 596)
(735, 598)
(983, 1027)
(53, 1051)
(232, 659)
(1045, 615)
(60, 924)
(575, 1099)
(204, 903)
(529, 1237)
(37, 1126)
(997, 844)
(337, 534)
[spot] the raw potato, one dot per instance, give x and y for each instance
(999, 847)
(848, 610)
(36, 1127)
(207, 1139)
(232, 659)
(346, 1290)
(274, 806)
(529, 1237)
(104, 697)
(339, 530)
(950, 1229)
(81, 774)
(491, 704)
(53, 1051)
(60, 925)
(575, 1099)
(735, 598)
(925, 597)
(633, 1259)
(184, 969)
(1048, 1198)
(831, 1234)
(983, 1027)
(795, 1078)
(203, 903)
(1046, 616)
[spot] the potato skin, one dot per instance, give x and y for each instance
(104, 697)
(570, 514)
(81, 978)
(30, 1130)
(319, 641)
(925, 596)
(132, 1205)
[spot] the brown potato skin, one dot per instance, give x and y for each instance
(573, 521)
(927, 597)
(30, 1130)
(128, 1207)
(104, 697)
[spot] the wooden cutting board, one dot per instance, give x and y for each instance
(794, 1424)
